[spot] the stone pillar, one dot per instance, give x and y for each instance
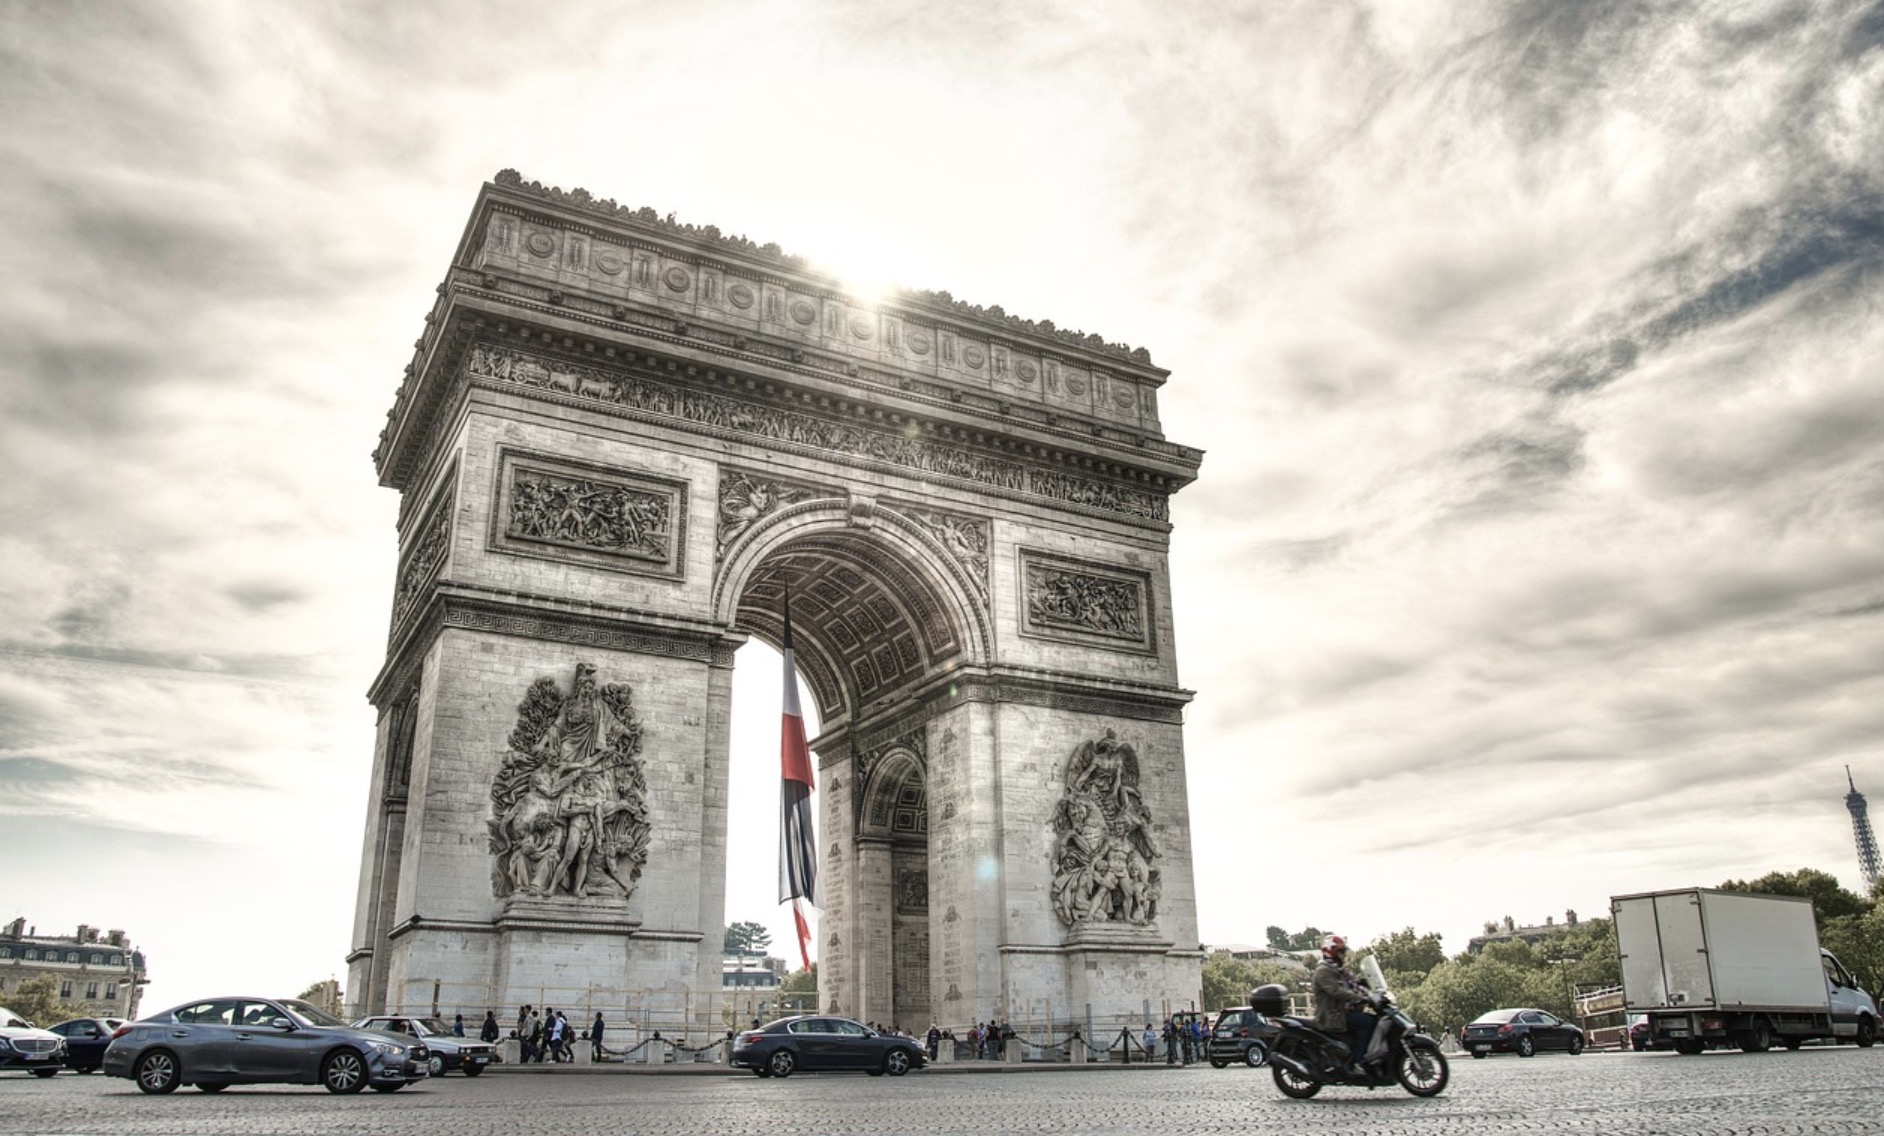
(1076, 1053)
(873, 999)
(1013, 1051)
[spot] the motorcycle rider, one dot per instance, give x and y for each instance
(1339, 996)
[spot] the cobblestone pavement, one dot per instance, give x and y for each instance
(1830, 1091)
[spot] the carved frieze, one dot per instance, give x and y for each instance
(774, 424)
(569, 812)
(609, 518)
(1104, 855)
(1081, 602)
(746, 498)
(421, 563)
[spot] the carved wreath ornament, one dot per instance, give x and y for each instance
(1103, 857)
(569, 812)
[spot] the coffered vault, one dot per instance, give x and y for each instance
(620, 441)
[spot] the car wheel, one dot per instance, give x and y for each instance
(344, 1071)
(45, 1072)
(1867, 1033)
(473, 1070)
(436, 1065)
(781, 1063)
(1576, 1045)
(1527, 1047)
(1423, 1072)
(211, 1086)
(1757, 1038)
(157, 1072)
(1219, 1063)
(896, 1062)
(1294, 1084)
(1255, 1056)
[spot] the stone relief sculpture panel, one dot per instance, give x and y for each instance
(421, 563)
(608, 518)
(569, 812)
(965, 538)
(1104, 854)
(1086, 603)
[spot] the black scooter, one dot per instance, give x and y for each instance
(1304, 1058)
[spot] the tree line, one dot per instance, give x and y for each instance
(1443, 993)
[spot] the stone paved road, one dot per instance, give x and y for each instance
(1836, 1092)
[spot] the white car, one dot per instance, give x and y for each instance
(40, 1052)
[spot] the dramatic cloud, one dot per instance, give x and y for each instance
(1535, 348)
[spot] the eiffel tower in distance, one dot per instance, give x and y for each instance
(1861, 831)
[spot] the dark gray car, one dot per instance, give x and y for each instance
(218, 1042)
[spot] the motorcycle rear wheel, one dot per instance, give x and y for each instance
(1294, 1084)
(1423, 1072)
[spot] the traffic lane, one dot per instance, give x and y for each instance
(1814, 1091)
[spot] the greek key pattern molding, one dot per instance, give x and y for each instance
(739, 416)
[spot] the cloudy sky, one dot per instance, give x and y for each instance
(1537, 349)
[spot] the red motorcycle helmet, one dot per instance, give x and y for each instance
(1334, 947)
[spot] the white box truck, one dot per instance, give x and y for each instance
(1716, 968)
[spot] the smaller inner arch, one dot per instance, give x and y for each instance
(865, 623)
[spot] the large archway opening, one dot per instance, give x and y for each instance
(874, 631)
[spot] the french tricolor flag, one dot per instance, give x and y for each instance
(797, 844)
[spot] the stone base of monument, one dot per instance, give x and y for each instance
(1076, 1051)
(945, 1052)
(1013, 1051)
(595, 914)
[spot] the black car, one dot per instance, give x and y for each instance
(450, 1053)
(85, 1041)
(819, 1043)
(1520, 1031)
(1240, 1035)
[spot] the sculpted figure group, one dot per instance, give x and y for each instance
(569, 807)
(1104, 853)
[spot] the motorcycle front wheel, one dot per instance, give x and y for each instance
(1293, 1084)
(1423, 1072)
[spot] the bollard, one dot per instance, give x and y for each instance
(511, 1050)
(1013, 1051)
(1076, 1051)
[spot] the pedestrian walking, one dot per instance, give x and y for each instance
(595, 1036)
(457, 1025)
(489, 1030)
(1150, 1040)
(935, 1040)
(1170, 1041)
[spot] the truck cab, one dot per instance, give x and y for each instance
(1854, 1012)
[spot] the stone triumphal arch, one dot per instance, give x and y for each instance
(619, 443)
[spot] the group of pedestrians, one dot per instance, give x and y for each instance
(548, 1036)
(987, 1038)
(1183, 1040)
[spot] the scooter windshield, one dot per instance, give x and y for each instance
(1370, 970)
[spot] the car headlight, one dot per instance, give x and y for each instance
(390, 1049)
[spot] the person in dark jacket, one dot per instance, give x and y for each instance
(595, 1036)
(490, 1029)
(1338, 998)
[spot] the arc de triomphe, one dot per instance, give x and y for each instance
(620, 441)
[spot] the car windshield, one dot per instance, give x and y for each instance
(430, 1026)
(1495, 1017)
(312, 1015)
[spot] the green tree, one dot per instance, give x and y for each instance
(800, 988)
(1830, 899)
(1306, 940)
(747, 938)
(37, 1000)
(1228, 979)
(1407, 957)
